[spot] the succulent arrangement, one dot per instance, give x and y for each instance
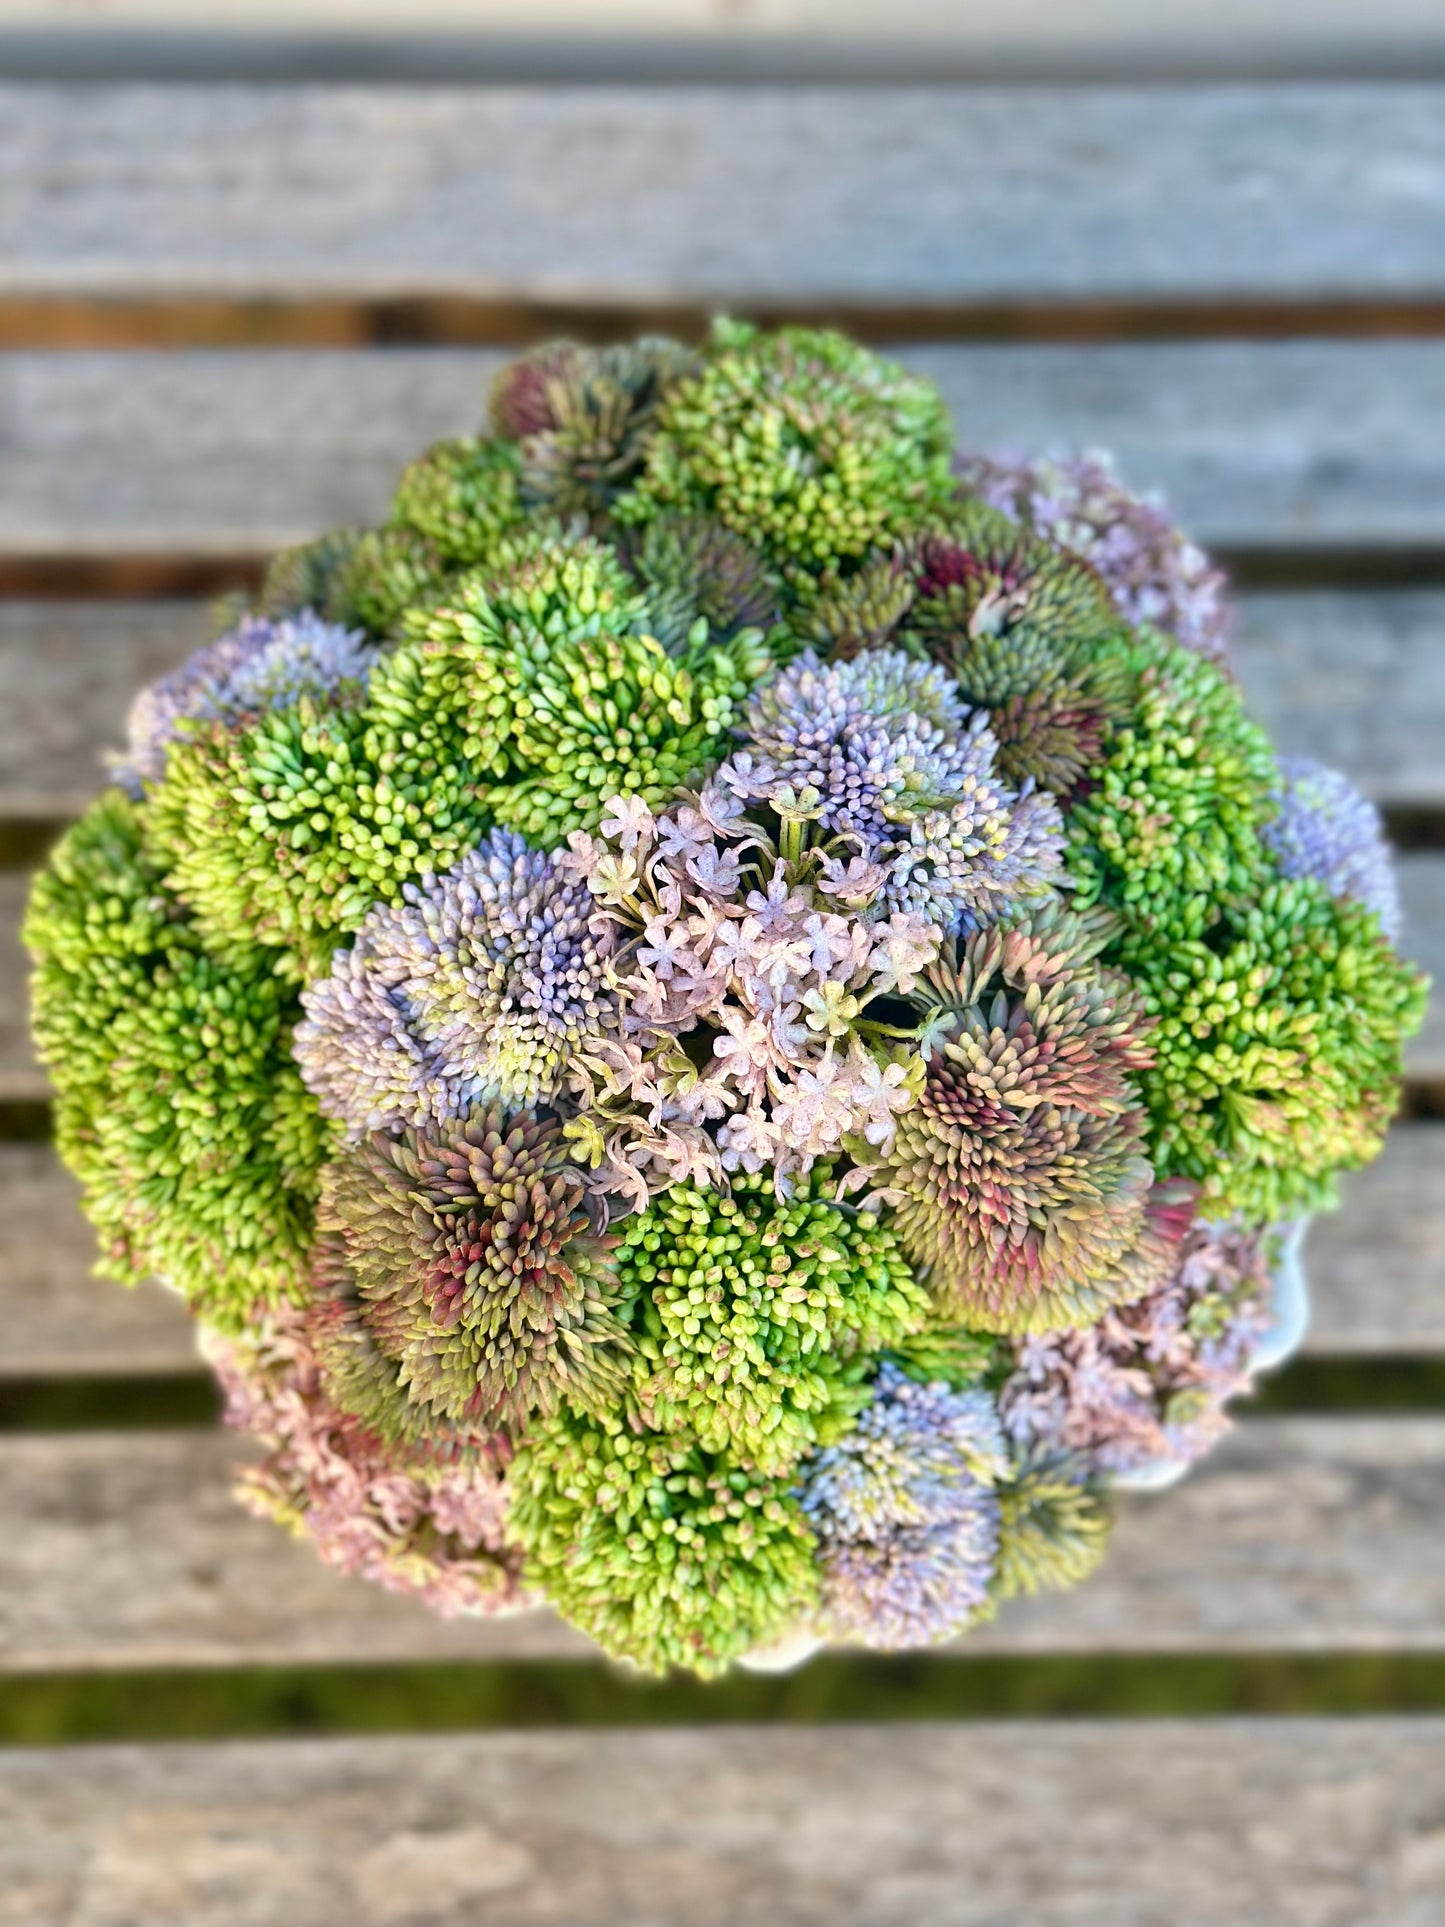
(722, 1021)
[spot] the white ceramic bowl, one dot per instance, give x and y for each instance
(784, 1654)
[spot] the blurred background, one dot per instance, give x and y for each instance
(253, 255)
(726, 39)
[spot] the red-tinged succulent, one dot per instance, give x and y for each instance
(469, 1260)
(1021, 1178)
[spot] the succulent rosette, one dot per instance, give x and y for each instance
(723, 1021)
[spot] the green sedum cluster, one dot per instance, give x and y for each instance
(461, 497)
(525, 697)
(804, 443)
(547, 680)
(749, 1310)
(1277, 1049)
(177, 1103)
(660, 1550)
(1279, 1009)
(286, 833)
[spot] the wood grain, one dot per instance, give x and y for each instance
(1376, 1267)
(1298, 1535)
(58, 1319)
(207, 452)
(1242, 1823)
(1422, 891)
(1376, 1271)
(635, 195)
(1356, 679)
(20, 1076)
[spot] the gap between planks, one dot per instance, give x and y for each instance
(78, 321)
(742, 44)
(148, 575)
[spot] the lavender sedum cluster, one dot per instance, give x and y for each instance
(907, 1515)
(480, 984)
(719, 1019)
(881, 753)
(258, 665)
(1328, 831)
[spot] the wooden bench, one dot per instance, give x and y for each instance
(264, 300)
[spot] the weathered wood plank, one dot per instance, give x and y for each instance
(1241, 1823)
(1376, 1267)
(1376, 1271)
(20, 1076)
(1301, 1535)
(1357, 679)
(1242, 437)
(1422, 891)
(632, 195)
(69, 671)
(57, 1318)
(1422, 878)
(135, 1541)
(234, 452)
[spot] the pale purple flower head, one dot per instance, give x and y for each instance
(360, 1048)
(726, 940)
(967, 866)
(809, 706)
(906, 1514)
(479, 985)
(1326, 829)
(256, 666)
(881, 753)
(1154, 573)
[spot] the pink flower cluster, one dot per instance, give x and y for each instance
(1155, 574)
(1151, 1380)
(433, 1533)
